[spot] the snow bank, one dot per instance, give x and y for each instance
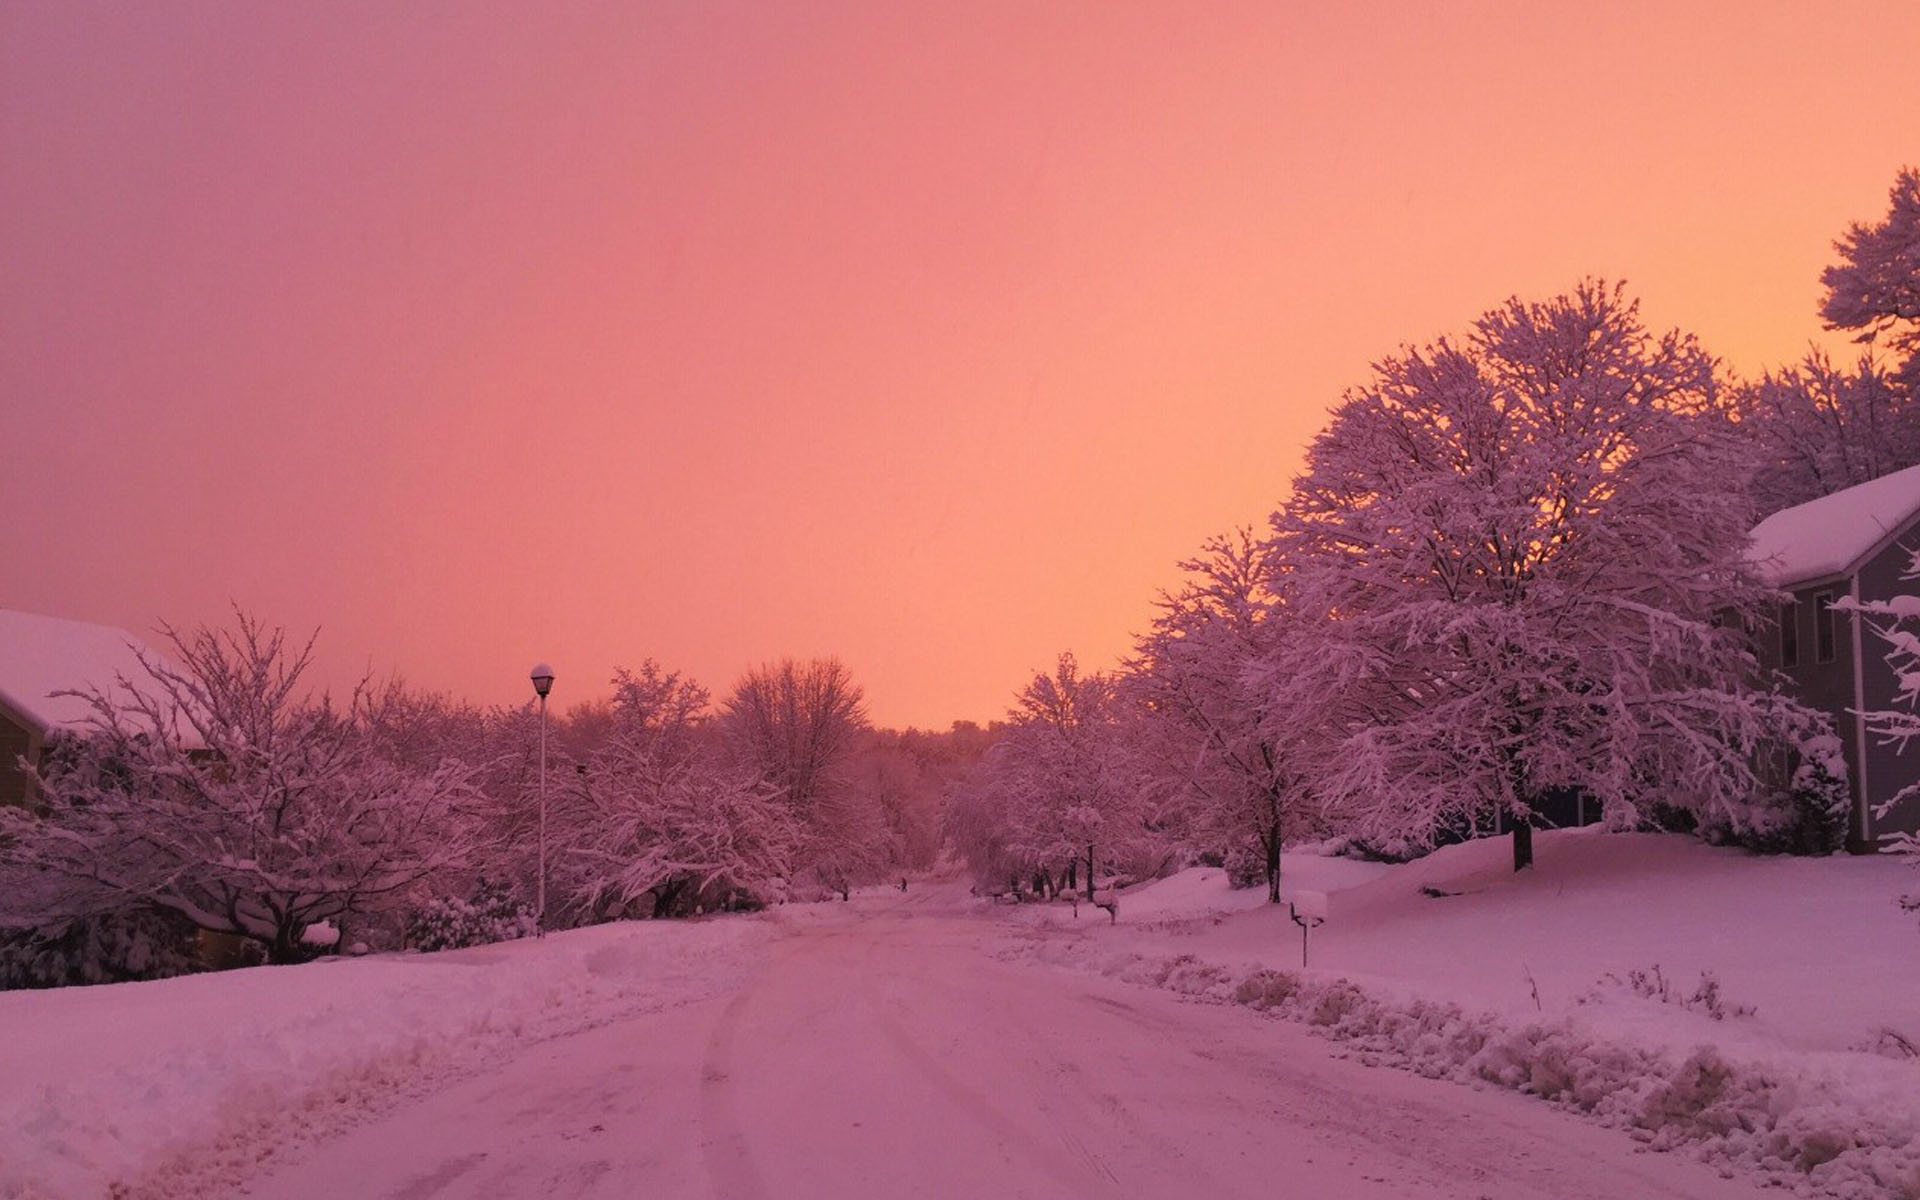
(1818, 946)
(1844, 1133)
(167, 1088)
(1455, 966)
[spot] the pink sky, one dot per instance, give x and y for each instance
(714, 332)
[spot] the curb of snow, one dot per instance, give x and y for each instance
(1796, 1130)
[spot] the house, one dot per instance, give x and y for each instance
(1854, 543)
(41, 657)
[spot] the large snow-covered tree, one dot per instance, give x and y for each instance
(218, 789)
(1521, 557)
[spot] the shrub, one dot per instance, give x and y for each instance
(448, 923)
(1246, 866)
(139, 943)
(1653, 984)
(1809, 816)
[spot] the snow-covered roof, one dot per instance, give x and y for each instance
(43, 655)
(1832, 535)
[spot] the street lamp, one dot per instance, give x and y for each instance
(542, 684)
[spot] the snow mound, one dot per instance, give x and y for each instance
(1842, 1133)
(1756, 1010)
(173, 1087)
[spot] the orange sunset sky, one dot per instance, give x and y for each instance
(927, 336)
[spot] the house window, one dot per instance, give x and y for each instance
(1790, 634)
(1823, 627)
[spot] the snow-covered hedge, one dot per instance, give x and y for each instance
(1794, 1127)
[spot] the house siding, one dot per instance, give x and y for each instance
(1827, 686)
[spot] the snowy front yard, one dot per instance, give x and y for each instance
(1546, 982)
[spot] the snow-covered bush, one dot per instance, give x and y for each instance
(1246, 866)
(1819, 799)
(1808, 816)
(1653, 984)
(115, 947)
(494, 914)
(224, 791)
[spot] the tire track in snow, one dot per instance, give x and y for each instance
(1071, 1172)
(723, 1149)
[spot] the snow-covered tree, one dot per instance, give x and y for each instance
(1074, 794)
(1520, 561)
(661, 812)
(900, 778)
(218, 790)
(848, 842)
(1896, 621)
(1817, 428)
(978, 824)
(797, 726)
(1213, 731)
(1874, 290)
(675, 831)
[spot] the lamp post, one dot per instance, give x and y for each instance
(542, 684)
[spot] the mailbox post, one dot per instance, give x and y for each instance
(1308, 910)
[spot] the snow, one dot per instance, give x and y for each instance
(1202, 892)
(1502, 976)
(874, 1041)
(1816, 943)
(1829, 536)
(105, 1084)
(878, 1053)
(43, 655)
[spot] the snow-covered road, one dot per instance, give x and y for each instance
(882, 1051)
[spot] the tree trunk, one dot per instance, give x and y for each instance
(1089, 872)
(285, 948)
(1522, 842)
(1073, 874)
(1273, 866)
(666, 897)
